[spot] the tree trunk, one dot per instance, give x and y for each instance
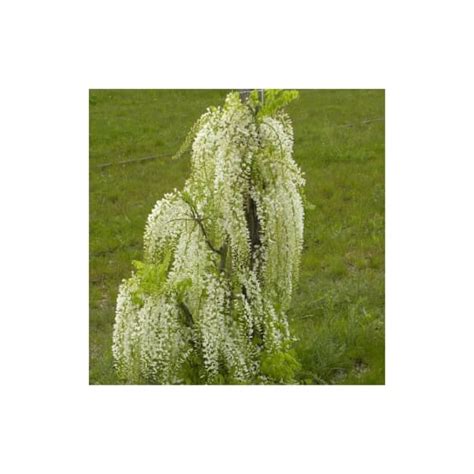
(251, 208)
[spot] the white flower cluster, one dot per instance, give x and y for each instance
(221, 259)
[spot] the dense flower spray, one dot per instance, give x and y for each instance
(208, 303)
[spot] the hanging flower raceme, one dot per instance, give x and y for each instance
(208, 303)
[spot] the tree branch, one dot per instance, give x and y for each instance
(187, 314)
(198, 219)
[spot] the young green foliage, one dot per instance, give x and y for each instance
(273, 101)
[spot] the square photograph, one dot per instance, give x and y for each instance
(237, 237)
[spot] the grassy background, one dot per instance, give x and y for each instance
(338, 310)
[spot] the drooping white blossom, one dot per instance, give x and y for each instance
(208, 303)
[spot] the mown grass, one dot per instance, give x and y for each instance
(338, 310)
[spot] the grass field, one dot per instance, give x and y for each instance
(338, 309)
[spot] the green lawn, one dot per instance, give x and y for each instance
(338, 309)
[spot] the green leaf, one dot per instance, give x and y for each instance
(275, 100)
(280, 366)
(151, 277)
(181, 288)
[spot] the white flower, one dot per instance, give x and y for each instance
(209, 296)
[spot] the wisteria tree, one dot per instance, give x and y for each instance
(209, 301)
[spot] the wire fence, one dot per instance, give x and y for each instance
(167, 155)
